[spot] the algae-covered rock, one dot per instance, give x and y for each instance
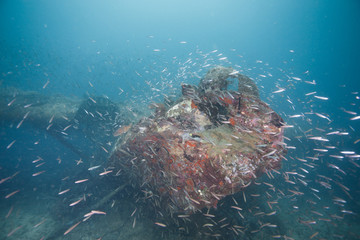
(216, 78)
(247, 86)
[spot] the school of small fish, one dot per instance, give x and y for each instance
(315, 183)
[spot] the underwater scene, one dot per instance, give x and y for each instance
(184, 119)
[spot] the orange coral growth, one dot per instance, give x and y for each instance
(193, 106)
(190, 184)
(200, 163)
(226, 100)
(190, 143)
(232, 121)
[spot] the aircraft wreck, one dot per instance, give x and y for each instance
(211, 143)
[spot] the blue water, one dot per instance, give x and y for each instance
(135, 52)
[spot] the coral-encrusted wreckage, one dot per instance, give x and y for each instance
(209, 144)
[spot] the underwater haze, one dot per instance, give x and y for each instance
(78, 77)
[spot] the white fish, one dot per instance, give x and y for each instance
(312, 82)
(337, 199)
(319, 139)
(349, 112)
(12, 101)
(26, 115)
(66, 128)
(330, 147)
(347, 152)
(65, 191)
(92, 100)
(322, 116)
(45, 85)
(81, 181)
(287, 126)
(28, 105)
(95, 167)
(280, 90)
(51, 119)
(295, 116)
(105, 172)
(348, 212)
(160, 224)
(355, 118)
(94, 212)
(270, 153)
(337, 168)
(38, 173)
(233, 73)
(9, 146)
(72, 228)
(320, 150)
(76, 202)
(321, 98)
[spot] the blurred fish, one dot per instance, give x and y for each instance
(321, 98)
(65, 191)
(11, 194)
(38, 173)
(45, 85)
(95, 167)
(72, 228)
(9, 146)
(81, 181)
(122, 130)
(12, 101)
(279, 91)
(160, 224)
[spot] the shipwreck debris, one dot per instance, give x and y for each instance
(204, 147)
